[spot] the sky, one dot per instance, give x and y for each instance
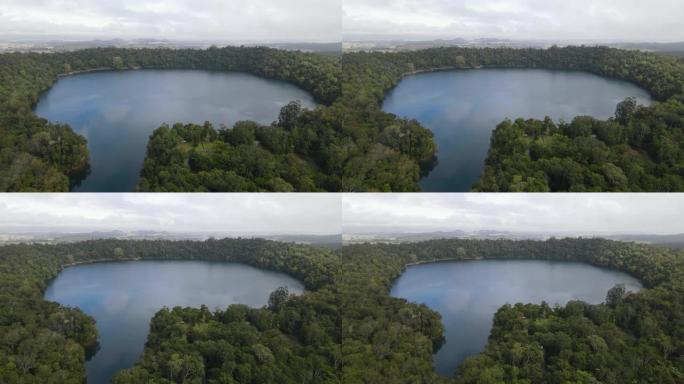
(576, 20)
(221, 20)
(572, 214)
(329, 213)
(232, 214)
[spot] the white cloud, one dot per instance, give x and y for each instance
(235, 214)
(614, 20)
(546, 213)
(231, 20)
(225, 213)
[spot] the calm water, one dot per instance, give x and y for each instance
(123, 297)
(468, 293)
(463, 107)
(118, 110)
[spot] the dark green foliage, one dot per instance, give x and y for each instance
(346, 328)
(40, 341)
(278, 298)
(291, 344)
(248, 157)
(34, 155)
(640, 150)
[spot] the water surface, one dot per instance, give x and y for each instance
(123, 297)
(462, 107)
(468, 293)
(118, 110)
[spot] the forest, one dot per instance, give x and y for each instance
(346, 328)
(640, 149)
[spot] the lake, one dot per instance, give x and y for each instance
(117, 111)
(468, 293)
(123, 297)
(462, 108)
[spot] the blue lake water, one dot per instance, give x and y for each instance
(468, 293)
(123, 297)
(462, 108)
(118, 110)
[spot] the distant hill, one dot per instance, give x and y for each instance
(671, 49)
(655, 47)
(415, 45)
(412, 237)
(53, 237)
(67, 46)
(328, 241)
(329, 48)
(394, 44)
(670, 241)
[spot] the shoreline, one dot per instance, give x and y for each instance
(76, 263)
(102, 69)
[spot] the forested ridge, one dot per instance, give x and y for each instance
(641, 149)
(346, 328)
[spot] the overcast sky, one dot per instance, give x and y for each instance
(216, 213)
(607, 213)
(613, 20)
(222, 20)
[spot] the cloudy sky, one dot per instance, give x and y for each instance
(216, 213)
(605, 20)
(578, 214)
(221, 20)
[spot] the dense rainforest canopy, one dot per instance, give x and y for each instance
(346, 328)
(641, 149)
